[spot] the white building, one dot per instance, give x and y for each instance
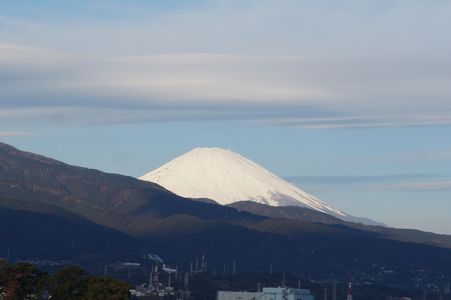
(268, 293)
(226, 295)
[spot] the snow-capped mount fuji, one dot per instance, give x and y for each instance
(227, 177)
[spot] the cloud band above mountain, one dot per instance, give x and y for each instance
(287, 91)
(291, 63)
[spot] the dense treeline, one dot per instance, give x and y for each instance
(24, 281)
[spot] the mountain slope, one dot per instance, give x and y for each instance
(303, 215)
(227, 177)
(180, 229)
(116, 201)
(297, 213)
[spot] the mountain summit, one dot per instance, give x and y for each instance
(227, 177)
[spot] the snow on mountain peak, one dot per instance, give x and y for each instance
(226, 177)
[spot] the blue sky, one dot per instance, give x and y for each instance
(348, 99)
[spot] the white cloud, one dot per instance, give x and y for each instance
(271, 89)
(14, 133)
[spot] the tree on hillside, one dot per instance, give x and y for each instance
(22, 281)
(69, 284)
(107, 288)
(2, 276)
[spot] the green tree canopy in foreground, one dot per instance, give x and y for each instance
(69, 283)
(21, 281)
(24, 281)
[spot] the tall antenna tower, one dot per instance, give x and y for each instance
(334, 290)
(203, 264)
(349, 290)
(285, 293)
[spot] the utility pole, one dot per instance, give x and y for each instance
(234, 267)
(270, 269)
(186, 281)
(325, 293)
(349, 290)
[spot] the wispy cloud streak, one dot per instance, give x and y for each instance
(426, 182)
(420, 186)
(351, 179)
(14, 133)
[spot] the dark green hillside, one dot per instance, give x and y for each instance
(286, 212)
(40, 235)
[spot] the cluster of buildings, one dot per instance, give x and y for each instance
(155, 287)
(176, 285)
(268, 293)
